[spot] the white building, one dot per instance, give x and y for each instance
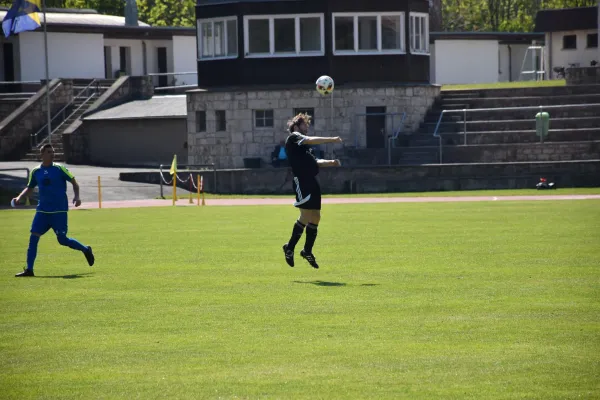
(480, 57)
(571, 37)
(85, 44)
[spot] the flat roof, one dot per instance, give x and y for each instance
(566, 19)
(78, 17)
(504, 37)
(168, 106)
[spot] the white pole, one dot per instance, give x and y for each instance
(47, 74)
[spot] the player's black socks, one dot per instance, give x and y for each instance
(296, 235)
(311, 236)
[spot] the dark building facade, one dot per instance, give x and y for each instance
(282, 42)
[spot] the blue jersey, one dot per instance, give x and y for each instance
(52, 183)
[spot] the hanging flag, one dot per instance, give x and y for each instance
(22, 16)
(174, 165)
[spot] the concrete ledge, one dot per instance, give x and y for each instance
(444, 177)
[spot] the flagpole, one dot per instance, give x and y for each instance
(47, 74)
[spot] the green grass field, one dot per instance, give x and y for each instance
(495, 300)
(506, 85)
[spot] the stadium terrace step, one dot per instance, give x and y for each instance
(525, 91)
(510, 125)
(497, 102)
(505, 137)
(571, 110)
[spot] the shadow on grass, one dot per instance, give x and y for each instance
(70, 276)
(322, 283)
(333, 284)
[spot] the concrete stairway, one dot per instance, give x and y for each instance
(82, 99)
(578, 121)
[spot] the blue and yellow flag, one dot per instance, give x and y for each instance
(22, 16)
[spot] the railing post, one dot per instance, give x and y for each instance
(465, 126)
(161, 183)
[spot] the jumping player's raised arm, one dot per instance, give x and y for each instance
(309, 140)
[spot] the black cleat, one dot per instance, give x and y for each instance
(89, 256)
(310, 258)
(289, 255)
(26, 272)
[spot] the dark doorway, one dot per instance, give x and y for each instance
(162, 66)
(9, 62)
(376, 128)
(107, 63)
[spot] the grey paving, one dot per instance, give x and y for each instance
(112, 188)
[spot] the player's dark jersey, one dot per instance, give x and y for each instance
(52, 183)
(300, 156)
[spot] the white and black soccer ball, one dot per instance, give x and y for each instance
(325, 85)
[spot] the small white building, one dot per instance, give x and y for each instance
(571, 37)
(480, 57)
(86, 44)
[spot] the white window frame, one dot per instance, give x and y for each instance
(380, 50)
(425, 19)
(272, 53)
(200, 39)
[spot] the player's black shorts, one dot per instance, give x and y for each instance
(308, 193)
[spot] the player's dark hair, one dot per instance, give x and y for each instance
(297, 120)
(44, 147)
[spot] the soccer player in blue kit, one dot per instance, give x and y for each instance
(51, 212)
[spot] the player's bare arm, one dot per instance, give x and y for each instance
(76, 199)
(321, 140)
(25, 193)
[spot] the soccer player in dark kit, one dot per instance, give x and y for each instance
(305, 168)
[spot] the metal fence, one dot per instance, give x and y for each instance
(164, 82)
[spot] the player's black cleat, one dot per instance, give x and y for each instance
(26, 272)
(289, 255)
(89, 256)
(310, 258)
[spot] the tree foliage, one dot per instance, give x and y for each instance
(499, 15)
(456, 15)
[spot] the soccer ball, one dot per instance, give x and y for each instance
(325, 85)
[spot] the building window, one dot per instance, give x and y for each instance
(592, 41)
(217, 38)
(569, 42)
(220, 120)
(263, 119)
(200, 121)
(284, 35)
(419, 33)
(309, 111)
(368, 33)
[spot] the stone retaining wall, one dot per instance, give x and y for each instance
(444, 177)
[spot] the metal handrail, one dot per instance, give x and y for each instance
(465, 110)
(34, 136)
(392, 138)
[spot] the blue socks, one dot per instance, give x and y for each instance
(32, 251)
(72, 243)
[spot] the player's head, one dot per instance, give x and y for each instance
(47, 153)
(299, 123)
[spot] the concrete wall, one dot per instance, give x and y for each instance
(69, 55)
(137, 142)
(399, 179)
(184, 59)
(559, 57)
(466, 61)
(242, 139)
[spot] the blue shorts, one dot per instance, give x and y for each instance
(42, 222)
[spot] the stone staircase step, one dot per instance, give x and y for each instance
(583, 110)
(496, 102)
(506, 125)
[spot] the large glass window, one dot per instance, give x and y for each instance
(217, 38)
(283, 35)
(368, 33)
